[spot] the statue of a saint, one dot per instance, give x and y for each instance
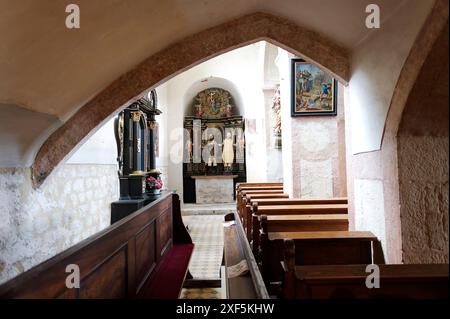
(198, 110)
(188, 150)
(228, 153)
(212, 148)
(229, 110)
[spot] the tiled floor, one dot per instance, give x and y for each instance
(207, 234)
(201, 293)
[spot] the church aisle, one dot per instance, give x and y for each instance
(207, 234)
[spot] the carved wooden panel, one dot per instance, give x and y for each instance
(164, 223)
(145, 253)
(108, 280)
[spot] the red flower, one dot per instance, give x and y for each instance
(153, 182)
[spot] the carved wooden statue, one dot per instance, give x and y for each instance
(228, 152)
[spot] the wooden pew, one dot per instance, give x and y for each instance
(251, 188)
(249, 185)
(242, 194)
(254, 186)
(255, 203)
(144, 255)
(287, 210)
(246, 213)
(299, 201)
(299, 223)
(318, 248)
(257, 186)
(349, 281)
(236, 249)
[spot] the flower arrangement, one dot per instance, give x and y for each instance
(154, 183)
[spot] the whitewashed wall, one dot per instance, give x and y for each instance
(271, 81)
(376, 65)
(313, 146)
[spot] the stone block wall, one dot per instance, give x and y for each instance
(35, 225)
(424, 196)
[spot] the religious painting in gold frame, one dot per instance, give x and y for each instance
(314, 91)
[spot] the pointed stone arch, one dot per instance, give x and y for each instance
(435, 25)
(177, 58)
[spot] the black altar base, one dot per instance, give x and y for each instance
(125, 207)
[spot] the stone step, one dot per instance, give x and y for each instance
(207, 209)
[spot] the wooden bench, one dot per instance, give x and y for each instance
(299, 223)
(253, 186)
(144, 255)
(264, 201)
(318, 248)
(256, 185)
(262, 188)
(247, 207)
(236, 248)
(242, 194)
(349, 281)
(302, 201)
(296, 206)
(290, 210)
(250, 197)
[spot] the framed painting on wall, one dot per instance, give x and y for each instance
(314, 91)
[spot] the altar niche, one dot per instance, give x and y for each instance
(135, 137)
(214, 152)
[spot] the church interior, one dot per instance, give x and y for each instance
(224, 149)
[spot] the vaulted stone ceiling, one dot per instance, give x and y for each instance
(49, 69)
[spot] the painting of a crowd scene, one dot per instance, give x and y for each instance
(314, 91)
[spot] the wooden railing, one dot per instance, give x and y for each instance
(236, 249)
(129, 259)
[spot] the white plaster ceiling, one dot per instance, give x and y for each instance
(52, 71)
(21, 133)
(48, 68)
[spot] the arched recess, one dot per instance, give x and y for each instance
(175, 59)
(203, 84)
(400, 230)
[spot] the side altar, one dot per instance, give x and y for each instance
(214, 148)
(139, 179)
